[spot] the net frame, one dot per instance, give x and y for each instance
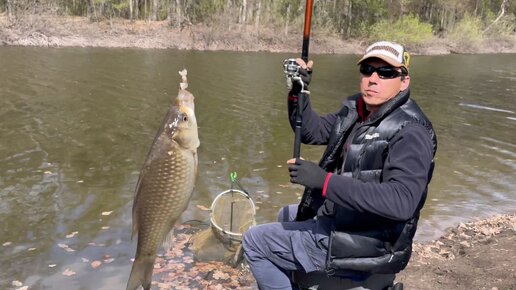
(225, 234)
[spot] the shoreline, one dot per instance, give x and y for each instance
(66, 31)
(473, 255)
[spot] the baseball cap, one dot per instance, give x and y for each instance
(390, 52)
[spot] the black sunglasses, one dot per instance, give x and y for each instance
(384, 72)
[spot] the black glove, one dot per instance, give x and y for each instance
(306, 77)
(307, 173)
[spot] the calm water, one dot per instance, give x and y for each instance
(76, 124)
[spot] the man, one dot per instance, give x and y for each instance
(367, 190)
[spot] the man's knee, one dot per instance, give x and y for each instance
(251, 239)
(247, 239)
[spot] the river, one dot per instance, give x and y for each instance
(76, 125)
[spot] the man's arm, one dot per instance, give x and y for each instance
(406, 174)
(315, 129)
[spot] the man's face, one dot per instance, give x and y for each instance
(376, 90)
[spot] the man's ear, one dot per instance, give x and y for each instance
(405, 81)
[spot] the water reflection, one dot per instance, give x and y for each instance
(77, 124)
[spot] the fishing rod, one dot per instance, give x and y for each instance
(306, 30)
(308, 202)
(301, 97)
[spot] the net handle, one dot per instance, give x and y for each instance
(234, 180)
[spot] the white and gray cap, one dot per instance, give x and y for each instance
(390, 52)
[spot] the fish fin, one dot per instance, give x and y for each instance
(141, 273)
(135, 224)
(184, 81)
(169, 238)
(135, 210)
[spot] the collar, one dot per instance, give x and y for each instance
(362, 111)
(385, 109)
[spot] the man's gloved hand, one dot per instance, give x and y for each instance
(305, 74)
(306, 173)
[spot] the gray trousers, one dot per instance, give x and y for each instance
(274, 251)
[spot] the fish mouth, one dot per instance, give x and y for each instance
(185, 102)
(185, 98)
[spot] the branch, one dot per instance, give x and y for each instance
(502, 12)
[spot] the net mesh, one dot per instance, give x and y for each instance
(232, 213)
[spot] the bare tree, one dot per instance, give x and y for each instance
(130, 9)
(154, 12)
(10, 12)
(179, 13)
(92, 10)
(287, 19)
(505, 4)
(243, 12)
(258, 12)
(350, 18)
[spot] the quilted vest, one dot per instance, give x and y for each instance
(364, 243)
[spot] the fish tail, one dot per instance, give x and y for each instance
(141, 273)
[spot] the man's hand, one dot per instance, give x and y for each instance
(306, 173)
(305, 76)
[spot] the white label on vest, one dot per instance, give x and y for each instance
(369, 137)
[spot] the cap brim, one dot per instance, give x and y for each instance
(384, 58)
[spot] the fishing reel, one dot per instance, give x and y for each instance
(291, 68)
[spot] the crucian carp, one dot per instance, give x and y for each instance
(165, 184)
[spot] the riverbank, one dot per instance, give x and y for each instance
(475, 255)
(52, 31)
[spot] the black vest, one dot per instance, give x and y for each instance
(384, 246)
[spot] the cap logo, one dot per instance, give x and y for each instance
(406, 58)
(387, 48)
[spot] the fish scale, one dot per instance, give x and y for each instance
(165, 184)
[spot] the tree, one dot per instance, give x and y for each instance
(154, 12)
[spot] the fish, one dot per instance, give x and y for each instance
(165, 184)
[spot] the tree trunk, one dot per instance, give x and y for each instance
(502, 12)
(258, 12)
(10, 9)
(136, 9)
(430, 13)
(154, 13)
(93, 11)
(130, 9)
(350, 17)
(287, 20)
(179, 14)
(243, 12)
(170, 9)
(145, 15)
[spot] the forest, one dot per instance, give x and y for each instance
(412, 22)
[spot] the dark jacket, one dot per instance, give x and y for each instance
(382, 166)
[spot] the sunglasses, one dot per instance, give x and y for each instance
(384, 72)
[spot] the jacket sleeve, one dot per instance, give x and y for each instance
(315, 130)
(406, 173)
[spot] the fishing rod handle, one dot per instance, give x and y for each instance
(298, 126)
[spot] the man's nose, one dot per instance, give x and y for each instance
(374, 78)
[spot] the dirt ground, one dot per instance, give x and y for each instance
(475, 255)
